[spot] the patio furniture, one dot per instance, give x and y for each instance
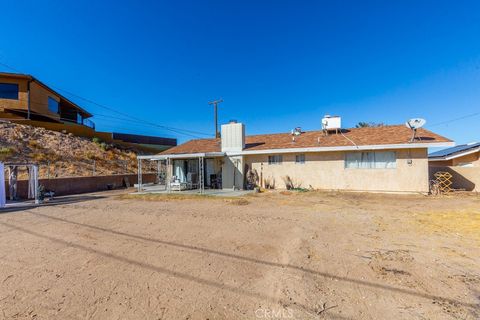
(192, 180)
(176, 185)
(216, 181)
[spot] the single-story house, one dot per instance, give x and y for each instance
(377, 159)
(465, 155)
(462, 161)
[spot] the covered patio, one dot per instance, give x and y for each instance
(193, 173)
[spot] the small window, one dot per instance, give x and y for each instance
(276, 159)
(371, 160)
(300, 158)
(9, 91)
(79, 118)
(52, 105)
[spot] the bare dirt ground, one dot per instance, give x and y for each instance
(270, 256)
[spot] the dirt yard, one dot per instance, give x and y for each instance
(270, 256)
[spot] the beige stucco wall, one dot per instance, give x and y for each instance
(22, 102)
(326, 170)
(232, 172)
(465, 178)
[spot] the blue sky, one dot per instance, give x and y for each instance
(277, 64)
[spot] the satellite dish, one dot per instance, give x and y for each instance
(414, 124)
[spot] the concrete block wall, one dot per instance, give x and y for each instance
(77, 185)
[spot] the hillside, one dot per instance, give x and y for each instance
(63, 155)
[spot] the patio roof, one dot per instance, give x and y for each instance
(181, 156)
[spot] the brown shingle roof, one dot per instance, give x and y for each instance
(398, 134)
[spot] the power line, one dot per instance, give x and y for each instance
(455, 119)
(9, 67)
(173, 129)
(176, 130)
(111, 118)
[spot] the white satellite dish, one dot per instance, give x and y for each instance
(414, 124)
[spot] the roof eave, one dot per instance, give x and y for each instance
(181, 155)
(85, 112)
(454, 156)
(300, 150)
(347, 148)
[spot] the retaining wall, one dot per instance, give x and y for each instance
(76, 185)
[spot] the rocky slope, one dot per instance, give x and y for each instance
(62, 155)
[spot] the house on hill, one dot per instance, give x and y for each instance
(377, 159)
(26, 100)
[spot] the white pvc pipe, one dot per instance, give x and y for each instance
(3, 198)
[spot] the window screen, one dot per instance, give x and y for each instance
(300, 158)
(276, 159)
(371, 160)
(9, 91)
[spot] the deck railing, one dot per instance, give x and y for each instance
(89, 123)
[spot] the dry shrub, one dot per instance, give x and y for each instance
(91, 155)
(239, 202)
(132, 156)
(269, 183)
(39, 157)
(45, 157)
(110, 155)
(291, 184)
(252, 178)
(5, 152)
(34, 144)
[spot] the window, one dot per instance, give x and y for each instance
(371, 160)
(52, 105)
(465, 164)
(9, 91)
(276, 159)
(300, 158)
(79, 118)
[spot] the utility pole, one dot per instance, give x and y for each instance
(215, 107)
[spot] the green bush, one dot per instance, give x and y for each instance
(5, 152)
(96, 140)
(103, 146)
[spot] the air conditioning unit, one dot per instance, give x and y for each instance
(331, 123)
